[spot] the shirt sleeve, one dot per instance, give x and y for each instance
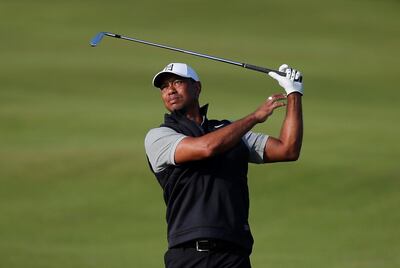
(160, 145)
(256, 144)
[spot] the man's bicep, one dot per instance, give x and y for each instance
(190, 149)
(160, 145)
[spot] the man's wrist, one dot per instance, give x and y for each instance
(295, 93)
(293, 90)
(253, 118)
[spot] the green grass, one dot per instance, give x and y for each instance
(75, 190)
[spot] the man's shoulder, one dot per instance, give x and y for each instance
(160, 129)
(158, 132)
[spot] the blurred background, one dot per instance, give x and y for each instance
(75, 188)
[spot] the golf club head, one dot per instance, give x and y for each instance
(97, 39)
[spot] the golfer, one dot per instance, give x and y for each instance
(202, 164)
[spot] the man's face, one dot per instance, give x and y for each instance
(179, 93)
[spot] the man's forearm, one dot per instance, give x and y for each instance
(292, 129)
(225, 138)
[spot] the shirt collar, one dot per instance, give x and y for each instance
(203, 113)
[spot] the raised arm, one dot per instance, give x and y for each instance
(287, 147)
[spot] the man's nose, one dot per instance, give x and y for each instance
(171, 88)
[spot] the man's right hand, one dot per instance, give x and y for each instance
(268, 107)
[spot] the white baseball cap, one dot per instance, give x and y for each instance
(181, 69)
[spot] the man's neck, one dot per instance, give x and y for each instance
(197, 118)
(193, 114)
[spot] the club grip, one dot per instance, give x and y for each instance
(261, 69)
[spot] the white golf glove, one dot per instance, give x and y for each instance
(292, 82)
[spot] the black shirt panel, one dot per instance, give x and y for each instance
(208, 198)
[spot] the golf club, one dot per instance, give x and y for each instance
(97, 39)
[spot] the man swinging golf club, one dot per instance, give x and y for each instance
(202, 164)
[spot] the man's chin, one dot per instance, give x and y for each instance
(178, 108)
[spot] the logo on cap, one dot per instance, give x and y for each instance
(169, 67)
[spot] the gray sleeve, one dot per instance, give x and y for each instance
(256, 144)
(160, 144)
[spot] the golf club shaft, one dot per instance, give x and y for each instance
(98, 38)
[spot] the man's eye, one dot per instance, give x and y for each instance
(178, 82)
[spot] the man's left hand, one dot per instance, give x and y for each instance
(292, 82)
